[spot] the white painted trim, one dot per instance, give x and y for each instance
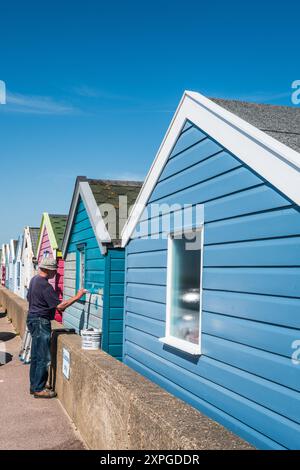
(274, 161)
(42, 231)
(168, 286)
(12, 249)
(70, 220)
(169, 339)
(41, 236)
(84, 191)
(27, 238)
(181, 345)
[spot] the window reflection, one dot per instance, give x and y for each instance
(185, 290)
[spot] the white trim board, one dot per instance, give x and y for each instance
(84, 191)
(27, 239)
(12, 249)
(274, 161)
(41, 236)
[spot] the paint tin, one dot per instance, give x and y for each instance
(91, 339)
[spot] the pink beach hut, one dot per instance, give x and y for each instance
(49, 246)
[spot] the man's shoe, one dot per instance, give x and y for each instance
(45, 394)
(47, 387)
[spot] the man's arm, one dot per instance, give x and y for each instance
(67, 303)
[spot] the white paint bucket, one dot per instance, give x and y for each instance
(91, 339)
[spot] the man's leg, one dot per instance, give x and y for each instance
(43, 356)
(33, 328)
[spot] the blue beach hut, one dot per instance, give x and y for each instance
(212, 310)
(17, 281)
(11, 264)
(94, 258)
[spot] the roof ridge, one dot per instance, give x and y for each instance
(280, 131)
(119, 182)
(254, 103)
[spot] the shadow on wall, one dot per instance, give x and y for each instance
(53, 366)
(81, 321)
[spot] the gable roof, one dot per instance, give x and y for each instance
(58, 223)
(34, 236)
(13, 249)
(7, 251)
(97, 193)
(264, 137)
(55, 225)
(19, 248)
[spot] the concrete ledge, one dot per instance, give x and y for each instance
(116, 408)
(17, 309)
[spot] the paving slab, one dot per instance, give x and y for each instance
(28, 423)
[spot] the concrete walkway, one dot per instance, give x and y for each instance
(28, 423)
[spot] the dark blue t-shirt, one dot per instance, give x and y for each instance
(42, 298)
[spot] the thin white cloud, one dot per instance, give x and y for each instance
(18, 103)
(89, 92)
(86, 91)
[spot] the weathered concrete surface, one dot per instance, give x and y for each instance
(28, 423)
(16, 309)
(116, 408)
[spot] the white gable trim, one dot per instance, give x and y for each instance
(84, 191)
(27, 240)
(44, 227)
(19, 248)
(274, 161)
(12, 250)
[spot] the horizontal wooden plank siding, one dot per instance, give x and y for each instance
(88, 312)
(245, 377)
(58, 281)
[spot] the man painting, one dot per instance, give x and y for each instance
(43, 302)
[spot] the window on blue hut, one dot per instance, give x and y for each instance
(184, 281)
(80, 267)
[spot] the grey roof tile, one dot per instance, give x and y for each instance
(34, 236)
(108, 192)
(280, 122)
(58, 223)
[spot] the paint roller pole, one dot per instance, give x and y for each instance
(89, 309)
(92, 291)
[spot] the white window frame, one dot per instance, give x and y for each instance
(186, 346)
(82, 268)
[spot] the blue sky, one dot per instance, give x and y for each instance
(92, 85)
